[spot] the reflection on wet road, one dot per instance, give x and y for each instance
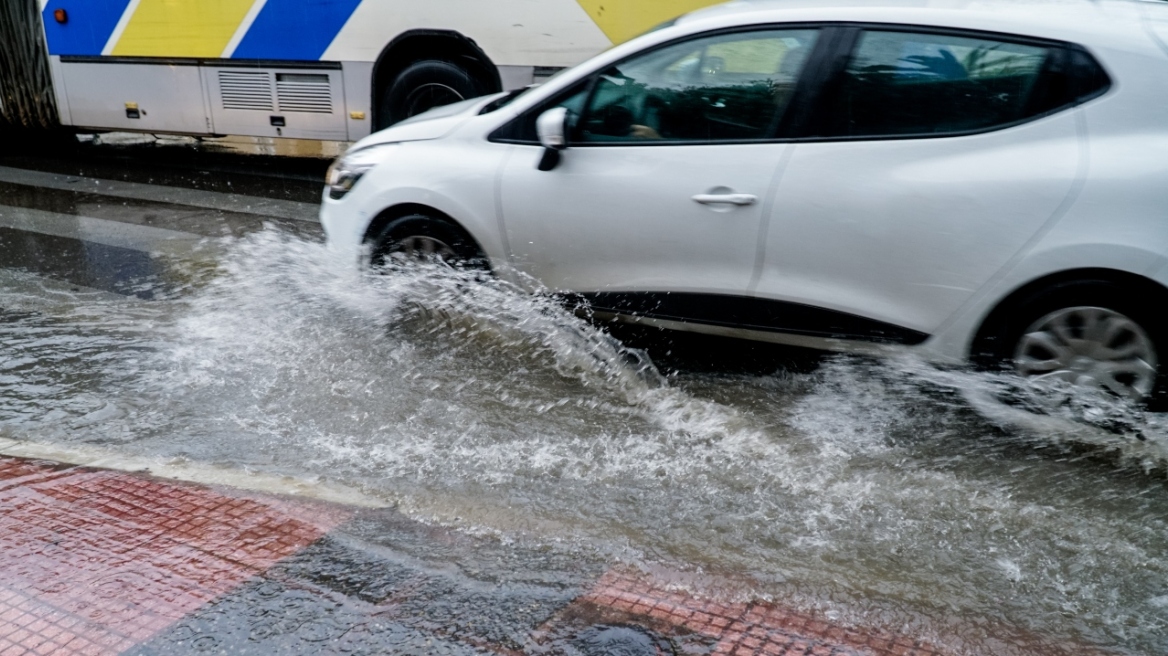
(171, 319)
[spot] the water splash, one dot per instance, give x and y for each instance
(871, 490)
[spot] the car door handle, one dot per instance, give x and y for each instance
(726, 199)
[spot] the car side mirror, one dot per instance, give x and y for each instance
(552, 128)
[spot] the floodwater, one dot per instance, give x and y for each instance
(872, 492)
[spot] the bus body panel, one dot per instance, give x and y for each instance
(302, 103)
(358, 98)
(163, 28)
(297, 68)
(529, 33)
(139, 97)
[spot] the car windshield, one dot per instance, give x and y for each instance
(505, 99)
(513, 95)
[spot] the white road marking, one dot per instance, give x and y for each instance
(193, 472)
(28, 291)
(215, 200)
(99, 231)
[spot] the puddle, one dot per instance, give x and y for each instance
(873, 493)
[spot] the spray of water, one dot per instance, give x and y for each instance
(873, 491)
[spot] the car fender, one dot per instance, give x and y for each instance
(446, 176)
(952, 343)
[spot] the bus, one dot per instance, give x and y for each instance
(333, 70)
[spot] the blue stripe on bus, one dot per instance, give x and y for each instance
(89, 26)
(295, 29)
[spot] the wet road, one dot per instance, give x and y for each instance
(178, 306)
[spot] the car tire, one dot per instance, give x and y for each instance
(1082, 332)
(419, 237)
(424, 85)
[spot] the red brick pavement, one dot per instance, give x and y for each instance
(745, 629)
(94, 562)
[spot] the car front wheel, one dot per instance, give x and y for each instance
(422, 238)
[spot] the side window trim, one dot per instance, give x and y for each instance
(1076, 55)
(1060, 52)
(824, 72)
(824, 68)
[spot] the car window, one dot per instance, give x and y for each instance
(728, 87)
(522, 129)
(1073, 79)
(906, 83)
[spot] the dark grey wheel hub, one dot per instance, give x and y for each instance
(421, 248)
(1092, 347)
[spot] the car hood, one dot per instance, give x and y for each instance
(434, 124)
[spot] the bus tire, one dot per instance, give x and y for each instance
(424, 85)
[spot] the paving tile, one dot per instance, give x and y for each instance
(104, 563)
(98, 561)
(734, 628)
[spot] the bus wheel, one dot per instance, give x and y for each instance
(424, 85)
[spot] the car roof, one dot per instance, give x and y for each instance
(1112, 30)
(1083, 21)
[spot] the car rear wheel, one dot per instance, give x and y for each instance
(416, 238)
(1089, 346)
(1094, 334)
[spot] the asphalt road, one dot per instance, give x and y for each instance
(490, 477)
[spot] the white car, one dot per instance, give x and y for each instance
(981, 182)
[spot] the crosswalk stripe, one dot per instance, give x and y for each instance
(215, 200)
(179, 469)
(99, 231)
(24, 290)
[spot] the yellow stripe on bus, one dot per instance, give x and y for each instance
(182, 28)
(622, 20)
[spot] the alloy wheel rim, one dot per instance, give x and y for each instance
(1090, 347)
(424, 248)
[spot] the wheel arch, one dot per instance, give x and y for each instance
(389, 214)
(983, 341)
(422, 44)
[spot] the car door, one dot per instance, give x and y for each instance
(659, 197)
(933, 159)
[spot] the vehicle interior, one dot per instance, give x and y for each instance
(901, 83)
(722, 88)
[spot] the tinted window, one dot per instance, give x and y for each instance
(1088, 79)
(903, 83)
(725, 87)
(1072, 76)
(522, 129)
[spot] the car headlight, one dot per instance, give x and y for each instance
(350, 167)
